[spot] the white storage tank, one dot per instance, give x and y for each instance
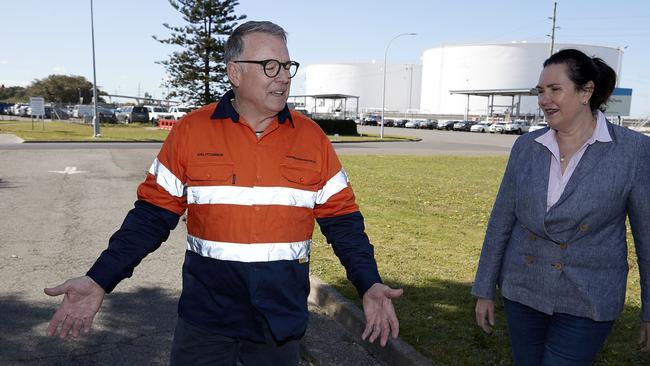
(489, 67)
(365, 81)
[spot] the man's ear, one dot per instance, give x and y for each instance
(234, 73)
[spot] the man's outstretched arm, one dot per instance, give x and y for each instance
(145, 227)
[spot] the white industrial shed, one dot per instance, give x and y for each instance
(427, 88)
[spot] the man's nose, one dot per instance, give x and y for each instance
(283, 75)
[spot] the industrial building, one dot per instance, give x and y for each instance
(454, 79)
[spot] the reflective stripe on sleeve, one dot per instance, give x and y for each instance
(166, 179)
(258, 252)
(333, 186)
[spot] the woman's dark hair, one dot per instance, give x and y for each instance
(582, 69)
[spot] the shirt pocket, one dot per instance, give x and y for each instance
(210, 174)
(300, 176)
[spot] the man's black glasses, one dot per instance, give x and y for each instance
(272, 67)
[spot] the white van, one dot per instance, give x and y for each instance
(83, 110)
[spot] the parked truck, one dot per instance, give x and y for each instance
(178, 112)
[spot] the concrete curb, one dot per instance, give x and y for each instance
(343, 311)
(7, 138)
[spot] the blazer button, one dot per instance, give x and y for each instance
(529, 259)
(557, 266)
(564, 245)
(532, 237)
(584, 227)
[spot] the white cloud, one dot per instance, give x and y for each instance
(59, 69)
(4, 62)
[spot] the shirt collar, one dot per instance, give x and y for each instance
(601, 133)
(225, 109)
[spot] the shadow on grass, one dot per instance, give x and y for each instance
(132, 328)
(438, 319)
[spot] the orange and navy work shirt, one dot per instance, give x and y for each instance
(251, 202)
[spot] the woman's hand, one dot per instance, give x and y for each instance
(644, 336)
(485, 314)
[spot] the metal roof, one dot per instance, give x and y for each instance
(325, 96)
(498, 92)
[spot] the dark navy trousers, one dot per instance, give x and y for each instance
(539, 339)
(195, 346)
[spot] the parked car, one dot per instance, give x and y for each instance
(479, 127)
(518, 127)
(370, 121)
(156, 113)
(179, 112)
(539, 126)
(412, 124)
(401, 122)
(388, 122)
(131, 113)
(446, 125)
(428, 124)
(463, 125)
(496, 127)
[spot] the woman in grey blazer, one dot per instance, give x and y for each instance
(555, 244)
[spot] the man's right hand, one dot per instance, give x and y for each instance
(82, 298)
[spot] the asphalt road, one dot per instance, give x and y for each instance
(61, 201)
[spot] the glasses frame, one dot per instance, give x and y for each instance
(285, 65)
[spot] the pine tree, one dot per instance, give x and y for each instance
(197, 73)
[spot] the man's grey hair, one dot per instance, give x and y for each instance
(234, 46)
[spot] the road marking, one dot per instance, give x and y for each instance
(68, 170)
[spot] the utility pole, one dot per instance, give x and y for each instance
(552, 35)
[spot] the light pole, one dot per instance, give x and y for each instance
(96, 121)
(620, 62)
(383, 95)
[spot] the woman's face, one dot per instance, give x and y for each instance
(558, 97)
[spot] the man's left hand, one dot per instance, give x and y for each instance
(380, 313)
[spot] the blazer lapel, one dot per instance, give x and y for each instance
(540, 164)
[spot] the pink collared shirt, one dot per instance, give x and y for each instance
(556, 180)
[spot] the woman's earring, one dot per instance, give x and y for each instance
(584, 103)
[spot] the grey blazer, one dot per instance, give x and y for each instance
(573, 258)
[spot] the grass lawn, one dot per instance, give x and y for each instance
(66, 131)
(426, 217)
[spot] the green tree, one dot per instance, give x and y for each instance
(63, 89)
(197, 73)
(13, 94)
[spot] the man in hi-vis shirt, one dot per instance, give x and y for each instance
(252, 176)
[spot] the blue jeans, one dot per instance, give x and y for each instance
(194, 346)
(553, 340)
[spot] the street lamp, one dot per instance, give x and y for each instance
(383, 95)
(619, 66)
(96, 132)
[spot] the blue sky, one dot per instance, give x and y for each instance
(44, 37)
